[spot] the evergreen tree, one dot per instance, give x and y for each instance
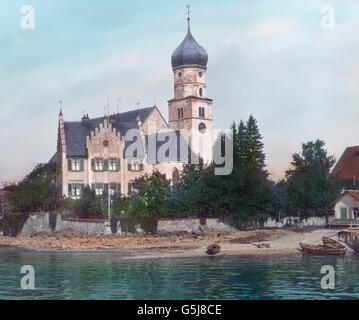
(311, 191)
(253, 146)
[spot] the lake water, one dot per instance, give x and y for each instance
(104, 275)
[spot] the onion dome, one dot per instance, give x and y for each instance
(189, 53)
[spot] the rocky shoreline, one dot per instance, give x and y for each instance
(281, 241)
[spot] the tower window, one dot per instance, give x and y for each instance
(200, 74)
(202, 128)
(180, 112)
(201, 112)
(179, 74)
(200, 92)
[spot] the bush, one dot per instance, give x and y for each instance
(89, 206)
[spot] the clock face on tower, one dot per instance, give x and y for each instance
(202, 127)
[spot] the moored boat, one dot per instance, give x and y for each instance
(329, 247)
(213, 249)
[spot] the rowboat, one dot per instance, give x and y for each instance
(329, 247)
(213, 249)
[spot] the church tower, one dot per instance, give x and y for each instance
(191, 109)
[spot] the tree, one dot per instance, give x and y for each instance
(37, 191)
(245, 194)
(254, 189)
(89, 206)
(151, 196)
(310, 188)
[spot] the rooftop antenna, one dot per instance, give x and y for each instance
(188, 15)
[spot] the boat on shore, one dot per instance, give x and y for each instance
(351, 238)
(328, 247)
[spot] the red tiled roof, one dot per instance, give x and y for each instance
(347, 168)
(353, 193)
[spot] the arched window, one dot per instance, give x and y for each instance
(200, 92)
(180, 112)
(175, 176)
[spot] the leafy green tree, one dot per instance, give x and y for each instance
(37, 191)
(151, 196)
(88, 206)
(311, 191)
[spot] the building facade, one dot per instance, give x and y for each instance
(110, 152)
(347, 206)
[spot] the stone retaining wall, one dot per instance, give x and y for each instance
(57, 222)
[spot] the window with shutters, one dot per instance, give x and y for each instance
(113, 165)
(75, 164)
(75, 190)
(99, 164)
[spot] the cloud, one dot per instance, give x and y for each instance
(272, 61)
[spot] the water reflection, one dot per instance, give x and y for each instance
(100, 275)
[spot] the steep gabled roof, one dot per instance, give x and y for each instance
(76, 132)
(352, 193)
(347, 168)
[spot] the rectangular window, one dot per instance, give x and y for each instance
(343, 213)
(112, 165)
(99, 189)
(201, 112)
(113, 189)
(75, 164)
(130, 187)
(75, 190)
(99, 164)
(135, 166)
(356, 213)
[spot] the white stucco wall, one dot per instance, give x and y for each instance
(348, 202)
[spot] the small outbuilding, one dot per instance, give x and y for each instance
(347, 206)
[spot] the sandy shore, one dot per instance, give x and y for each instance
(281, 241)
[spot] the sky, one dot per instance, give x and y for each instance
(269, 58)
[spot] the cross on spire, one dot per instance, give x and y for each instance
(188, 15)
